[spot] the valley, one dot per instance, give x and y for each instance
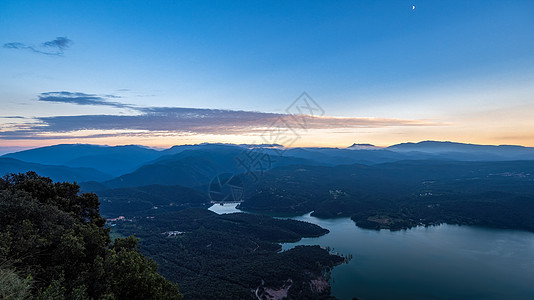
(166, 200)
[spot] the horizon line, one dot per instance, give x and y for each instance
(264, 145)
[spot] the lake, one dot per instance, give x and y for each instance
(440, 262)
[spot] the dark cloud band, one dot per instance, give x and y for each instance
(80, 99)
(173, 120)
(189, 121)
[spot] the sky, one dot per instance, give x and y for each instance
(298, 73)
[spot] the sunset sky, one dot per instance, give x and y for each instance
(162, 73)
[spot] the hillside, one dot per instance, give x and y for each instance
(194, 168)
(57, 173)
(54, 245)
(230, 256)
(462, 151)
(149, 199)
(111, 160)
(404, 194)
(195, 165)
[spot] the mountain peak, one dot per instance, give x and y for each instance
(455, 147)
(356, 146)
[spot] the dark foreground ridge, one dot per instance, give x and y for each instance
(54, 245)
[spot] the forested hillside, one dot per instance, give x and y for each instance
(54, 245)
(404, 194)
(233, 256)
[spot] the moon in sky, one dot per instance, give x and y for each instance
(413, 7)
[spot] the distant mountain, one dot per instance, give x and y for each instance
(336, 156)
(198, 165)
(363, 147)
(7, 149)
(462, 151)
(187, 168)
(115, 160)
(56, 173)
(209, 146)
(57, 154)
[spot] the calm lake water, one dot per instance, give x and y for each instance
(441, 262)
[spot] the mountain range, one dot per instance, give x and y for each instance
(195, 165)
(471, 184)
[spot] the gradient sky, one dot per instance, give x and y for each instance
(161, 73)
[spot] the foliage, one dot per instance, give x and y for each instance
(13, 286)
(133, 276)
(228, 256)
(404, 194)
(133, 201)
(56, 234)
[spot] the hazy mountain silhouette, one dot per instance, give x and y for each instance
(404, 181)
(196, 165)
(111, 160)
(56, 173)
(336, 156)
(356, 146)
(194, 168)
(460, 151)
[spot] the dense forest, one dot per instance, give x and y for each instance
(397, 187)
(54, 245)
(55, 242)
(135, 201)
(404, 194)
(231, 256)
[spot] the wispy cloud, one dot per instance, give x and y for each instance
(186, 121)
(81, 99)
(54, 47)
(59, 44)
(149, 121)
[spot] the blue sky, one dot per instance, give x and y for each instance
(383, 71)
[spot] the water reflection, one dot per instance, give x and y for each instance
(440, 262)
(225, 208)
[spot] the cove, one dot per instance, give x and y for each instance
(440, 262)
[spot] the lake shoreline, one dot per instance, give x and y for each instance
(232, 207)
(475, 262)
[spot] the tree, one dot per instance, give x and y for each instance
(133, 276)
(12, 286)
(55, 234)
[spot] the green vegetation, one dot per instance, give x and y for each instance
(56, 246)
(404, 194)
(230, 256)
(143, 200)
(12, 286)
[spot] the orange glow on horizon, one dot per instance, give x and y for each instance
(315, 138)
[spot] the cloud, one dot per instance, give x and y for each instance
(60, 43)
(54, 47)
(15, 46)
(151, 121)
(81, 99)
(173, 120)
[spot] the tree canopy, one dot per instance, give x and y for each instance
(53, 238)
